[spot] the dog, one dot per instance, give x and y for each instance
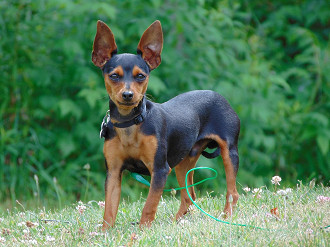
(150, 138)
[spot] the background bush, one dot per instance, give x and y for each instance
(270, 59)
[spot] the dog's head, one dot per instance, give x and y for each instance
(126, 75)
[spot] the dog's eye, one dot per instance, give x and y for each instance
(114, 77)
(140, 77)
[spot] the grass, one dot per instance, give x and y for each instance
(299, 219)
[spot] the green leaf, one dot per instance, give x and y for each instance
(68, 107)
(66, 145)
(323, 143)
(92, 95)
(87, 132)
(156, 84)
(280, 82)
(107, 10)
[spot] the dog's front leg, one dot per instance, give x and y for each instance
(158, 180)
(112, 196)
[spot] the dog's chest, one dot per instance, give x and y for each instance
(131, 143)
(130, 139)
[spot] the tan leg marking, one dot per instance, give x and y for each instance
(113, 183)
(230, 173)
(112, 197)
(181, 170)
(150, 207)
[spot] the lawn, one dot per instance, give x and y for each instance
(279, 216)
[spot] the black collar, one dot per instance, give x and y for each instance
(136, 120)
(138, 115)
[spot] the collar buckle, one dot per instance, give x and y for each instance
(138, 119)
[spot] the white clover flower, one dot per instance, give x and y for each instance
(21, 214)
(98, 225)
(183, 222)
(288, 190)
(20, 224)
(257, 190)
(322, 199)
(284, 192)
(50, 238)
(281, 192)
(81, 208)
(101, 204)
(276, 180)
(33, 242)
(246, 189)
(2, 240)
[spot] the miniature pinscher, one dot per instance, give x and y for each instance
(149, 138)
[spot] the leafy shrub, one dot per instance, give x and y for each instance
(269, 59)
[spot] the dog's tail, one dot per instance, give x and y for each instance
(213, 155)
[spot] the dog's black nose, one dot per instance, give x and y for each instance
(128, 95)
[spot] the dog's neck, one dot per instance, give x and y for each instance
(136, 115)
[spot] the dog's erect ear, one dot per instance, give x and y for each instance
(151, 45)
(104, 45)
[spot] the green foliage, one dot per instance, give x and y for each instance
(269, 59)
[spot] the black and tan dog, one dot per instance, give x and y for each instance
(150, 138)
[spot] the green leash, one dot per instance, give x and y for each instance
(142, 180)
(211, 216)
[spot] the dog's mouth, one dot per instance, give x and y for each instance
(127, 103)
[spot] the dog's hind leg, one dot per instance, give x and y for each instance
(181, 169)
(229, 154)
(230, 159)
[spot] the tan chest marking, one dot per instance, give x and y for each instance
(130, 143)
